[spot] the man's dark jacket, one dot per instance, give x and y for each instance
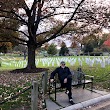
(62, 73)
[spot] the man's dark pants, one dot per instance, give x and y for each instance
(67, 86)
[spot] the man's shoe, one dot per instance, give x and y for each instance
(71, 101)
(67, 92)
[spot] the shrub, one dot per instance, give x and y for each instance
(88, 48)
(93, 54)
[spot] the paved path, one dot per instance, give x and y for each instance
(103, 105)
(79, 95)
(51, 105)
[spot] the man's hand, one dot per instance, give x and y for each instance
(65, 80)
(51, 80)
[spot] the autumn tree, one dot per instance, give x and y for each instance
(6, 41)
(5, 46)
(45, 46)
(93, 16)
(37, 18)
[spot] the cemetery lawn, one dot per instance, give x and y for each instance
(97, 66)
(11, 84)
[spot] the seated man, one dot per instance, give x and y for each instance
(65, 78)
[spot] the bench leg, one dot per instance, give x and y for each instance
(49, 88)
(84, 86)
(92, 86)
(55, 91)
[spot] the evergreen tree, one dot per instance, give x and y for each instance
(64, 50)
(88, 48)
(52, 50)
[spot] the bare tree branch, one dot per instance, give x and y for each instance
(34, 5)
(8, 17)
(5, 41)
(51, 14)
(23, 20)
(15, 39)
(16, 31)
(19, 18)
(38, 15)
(55, 35)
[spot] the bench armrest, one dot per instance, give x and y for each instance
(89, 76)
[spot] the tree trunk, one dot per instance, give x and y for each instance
(31, 57)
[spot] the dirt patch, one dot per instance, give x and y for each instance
(12, 84)
(25, 70)
(22, 108)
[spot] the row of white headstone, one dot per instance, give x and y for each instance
(55, 61)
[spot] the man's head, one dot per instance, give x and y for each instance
(62, 64)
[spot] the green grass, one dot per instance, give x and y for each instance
(101, 77)
(9, 62)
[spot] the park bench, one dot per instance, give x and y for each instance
(79, 78)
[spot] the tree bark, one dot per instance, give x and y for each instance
(31, 57)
